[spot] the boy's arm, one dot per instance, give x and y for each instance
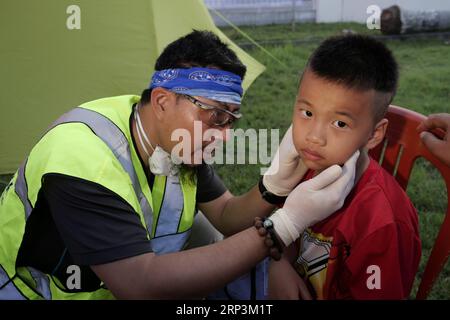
(383, 265)
(284, 282)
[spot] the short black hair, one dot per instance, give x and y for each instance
(198, 49)
(357, 62)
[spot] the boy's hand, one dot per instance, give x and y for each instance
(314, 200)
(285, 283)
(440, 148)
(286, 169)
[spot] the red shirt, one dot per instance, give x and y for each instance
(369, 249)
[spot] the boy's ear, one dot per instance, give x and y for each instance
(378, 134)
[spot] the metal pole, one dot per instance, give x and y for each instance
(294, 6)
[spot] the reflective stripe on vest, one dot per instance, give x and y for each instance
(166, 237)
(42, 281)
(22, 190)
(8, 290)
(114, 138)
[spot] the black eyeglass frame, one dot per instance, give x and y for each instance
(207, 107)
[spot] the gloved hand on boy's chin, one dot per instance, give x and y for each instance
(314, 200)
(286, 168)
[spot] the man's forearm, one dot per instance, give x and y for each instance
(240, 211)
(189, 274)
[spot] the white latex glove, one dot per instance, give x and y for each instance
(314, 200)
(286, 168)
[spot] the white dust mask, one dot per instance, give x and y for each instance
(160, 162)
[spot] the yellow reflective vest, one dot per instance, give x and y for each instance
(92, 142)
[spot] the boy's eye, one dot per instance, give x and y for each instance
(340, 124)
(306, 113)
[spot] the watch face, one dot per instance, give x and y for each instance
(267, 223)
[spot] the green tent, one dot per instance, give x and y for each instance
(56, 54)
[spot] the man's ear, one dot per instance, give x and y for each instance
(378, 134)
(160, 100)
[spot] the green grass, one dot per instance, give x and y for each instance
(424, 87)
(305, 31)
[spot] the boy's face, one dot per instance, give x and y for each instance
(330, 122)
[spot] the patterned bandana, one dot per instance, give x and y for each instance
(213, 84)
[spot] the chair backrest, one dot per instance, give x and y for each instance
(401, 147)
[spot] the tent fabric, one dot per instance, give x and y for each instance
(46, 68)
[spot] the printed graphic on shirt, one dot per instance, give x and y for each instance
(313, 258)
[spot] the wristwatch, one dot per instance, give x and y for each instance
(270, 197)
(268, 225)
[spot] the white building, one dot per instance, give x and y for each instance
(356, 10)
(254, 12)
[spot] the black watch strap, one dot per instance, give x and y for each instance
(269, 196)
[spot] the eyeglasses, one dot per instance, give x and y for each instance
(218, 117)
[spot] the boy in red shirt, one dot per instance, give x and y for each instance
(369, 249)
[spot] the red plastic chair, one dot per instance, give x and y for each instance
(401, 147)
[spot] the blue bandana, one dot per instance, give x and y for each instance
(213, 84)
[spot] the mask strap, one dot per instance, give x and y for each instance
(141, 132)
